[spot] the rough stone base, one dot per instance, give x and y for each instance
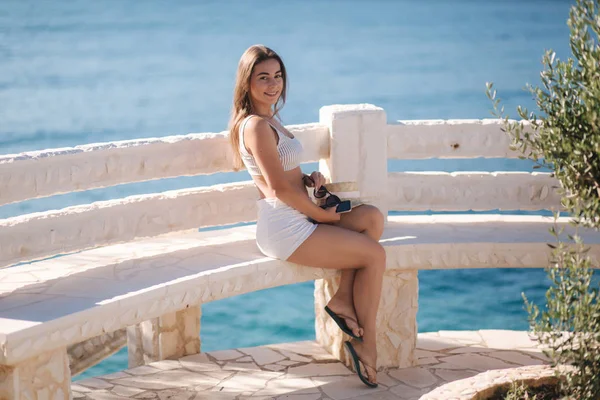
(396, 320)
(484, 385)
(172, 335)
(90, 352)
(46, 376)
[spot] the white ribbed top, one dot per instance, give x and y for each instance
(289, 149)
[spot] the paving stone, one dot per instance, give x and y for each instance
(171, 394)
(104, 395)
(166, 365)
(324, 356)
(416, 376)
(95, 383)
(219, 375)
(225, 355)
(199, 363)
(238, 366)
(168, 380)
(216, 396)
(294, 356)
(406, 392)
(307, 348)
(318, 370)
(341, 388)
(476, 361)
(449, 375)
(282, 386)
(437, 343)
(515, 357)
(126, 391)
(245, 381)
(469, 336)
(470, 349)
(378, 396)
(245, 359)
(536, 353)
(79, 388)
(316, 396)
(186, 378)
(274, 367)
(506, 340)
(142, 370)
(116, 375)
(384, 379)
(443, 365)
(426, 354)
(288, 363)
(427, 361)
(263, 355)
(146, 396)
(147, 382)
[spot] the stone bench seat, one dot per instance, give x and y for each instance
(64, 300)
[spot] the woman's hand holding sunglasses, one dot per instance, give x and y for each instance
(316, 180)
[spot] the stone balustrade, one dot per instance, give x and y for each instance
(140, 264)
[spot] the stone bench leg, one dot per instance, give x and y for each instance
(90, 352)
(396, 320)
(172, 335)
(46, 376)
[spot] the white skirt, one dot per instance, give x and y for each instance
(281, 229)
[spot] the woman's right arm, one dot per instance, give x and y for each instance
(260, 140)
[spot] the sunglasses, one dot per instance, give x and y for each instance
(331, 201)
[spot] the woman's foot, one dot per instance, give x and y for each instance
(367, 359)
(346, 312)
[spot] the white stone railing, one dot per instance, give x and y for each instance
(351, 143)
(36, 174)
(45, 173)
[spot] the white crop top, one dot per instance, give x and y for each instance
(289, 149)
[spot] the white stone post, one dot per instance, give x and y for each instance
(358, 153)
(358, 149)
(172, 335)
(46, 376)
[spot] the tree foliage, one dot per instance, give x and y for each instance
(563, 135)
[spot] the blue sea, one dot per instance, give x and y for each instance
(76, 72)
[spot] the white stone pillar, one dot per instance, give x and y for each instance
(358, 153)
(172, 335)
(358, 149)
(46, 376)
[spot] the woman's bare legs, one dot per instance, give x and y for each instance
(369, 221)
(340, 248)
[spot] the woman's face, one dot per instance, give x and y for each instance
(266, 83)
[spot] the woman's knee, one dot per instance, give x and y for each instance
(376, 257)
(375, 219)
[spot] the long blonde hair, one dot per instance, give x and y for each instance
(242, 103)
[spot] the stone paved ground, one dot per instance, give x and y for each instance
(304, 371)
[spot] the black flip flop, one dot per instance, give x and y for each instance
(342, 324)
(357, 365)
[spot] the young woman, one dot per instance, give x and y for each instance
(286, 227)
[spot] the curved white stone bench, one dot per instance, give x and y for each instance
(135, 264)
(65, 300)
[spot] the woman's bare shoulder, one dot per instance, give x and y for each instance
(258, 129)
